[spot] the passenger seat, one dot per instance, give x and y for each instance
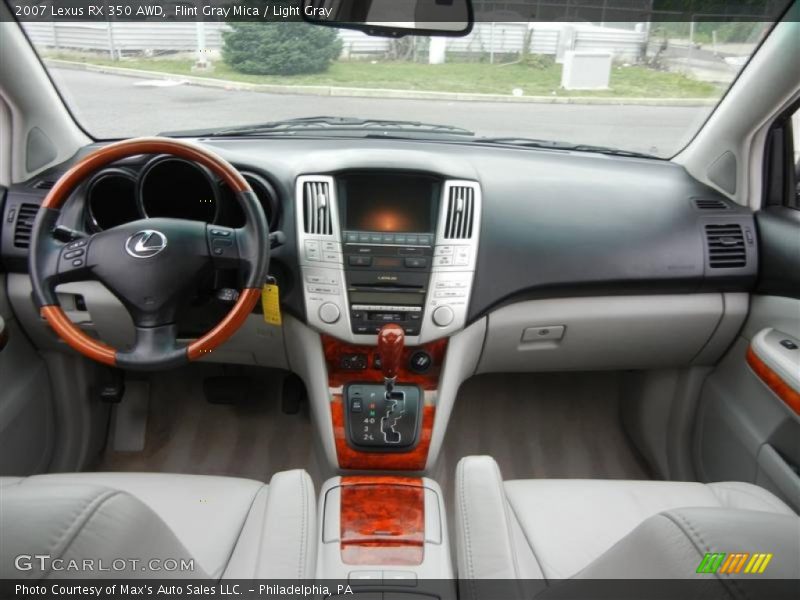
(228, 527)
(598, 529)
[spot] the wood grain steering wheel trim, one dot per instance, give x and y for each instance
(55, 315)
(77, 339)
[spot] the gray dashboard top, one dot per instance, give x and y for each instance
(555, 223)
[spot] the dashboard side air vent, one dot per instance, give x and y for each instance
(26, 214)
(44, 184)
(726, 247)
(710, 204)
(317, 208)
(460, 213)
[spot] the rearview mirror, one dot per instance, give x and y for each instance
(393, 18)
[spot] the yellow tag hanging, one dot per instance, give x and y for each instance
(271, 303)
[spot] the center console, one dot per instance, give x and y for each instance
(384, 534)
(381, 247)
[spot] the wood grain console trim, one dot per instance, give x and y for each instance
(382, 521)
(773, 381)
(335, 350)
(350, 458)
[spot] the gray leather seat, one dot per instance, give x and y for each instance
(559, 529)
(228, 527)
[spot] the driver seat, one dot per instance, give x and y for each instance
(224, 527)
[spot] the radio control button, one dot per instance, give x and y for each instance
(388, 238)
(425, 240)
(375, 238)
(329, 313)
(462, 255)
(359, 261)
(443, 250)
(449, 294)
(413, 240)
(363, 238)
(351, 237)
(400, 239)
(312, 250)
(416, 263)
(442, 261)
(443, 316)
(322, 289)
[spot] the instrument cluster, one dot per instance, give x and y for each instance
(166, 186)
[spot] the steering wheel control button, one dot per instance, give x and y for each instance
(329, 313)
(420, 362)
(443, 316)
(73, 254)
(220, 233)
(77, 244)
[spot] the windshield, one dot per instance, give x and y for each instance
(640, 87)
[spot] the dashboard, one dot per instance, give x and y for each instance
(432, 235)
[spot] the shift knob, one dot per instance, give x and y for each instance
(391, 341)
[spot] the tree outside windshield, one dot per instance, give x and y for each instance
(644, 87)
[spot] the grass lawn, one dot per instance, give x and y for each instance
(629, 82)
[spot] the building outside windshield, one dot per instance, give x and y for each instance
(637, 85)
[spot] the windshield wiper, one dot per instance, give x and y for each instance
(329, 124)
(556, 145)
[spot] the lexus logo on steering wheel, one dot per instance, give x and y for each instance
(146, 243)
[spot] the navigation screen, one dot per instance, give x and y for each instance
(390, 203)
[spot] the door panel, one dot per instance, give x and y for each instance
(745, 430)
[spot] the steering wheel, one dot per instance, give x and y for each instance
(151, 265)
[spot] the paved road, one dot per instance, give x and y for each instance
(115, 106)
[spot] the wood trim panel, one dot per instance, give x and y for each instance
(773, 381)
(382, 521)
(350, 458)
(337, 376)
(77, 339)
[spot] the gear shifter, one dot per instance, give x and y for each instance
(391, 343)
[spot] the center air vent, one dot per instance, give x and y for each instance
(710, 204)
(317, 208)
(460, 213)
(726, 247)
(22, 231)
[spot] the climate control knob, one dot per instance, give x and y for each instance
(443, 316)
(329, 313)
